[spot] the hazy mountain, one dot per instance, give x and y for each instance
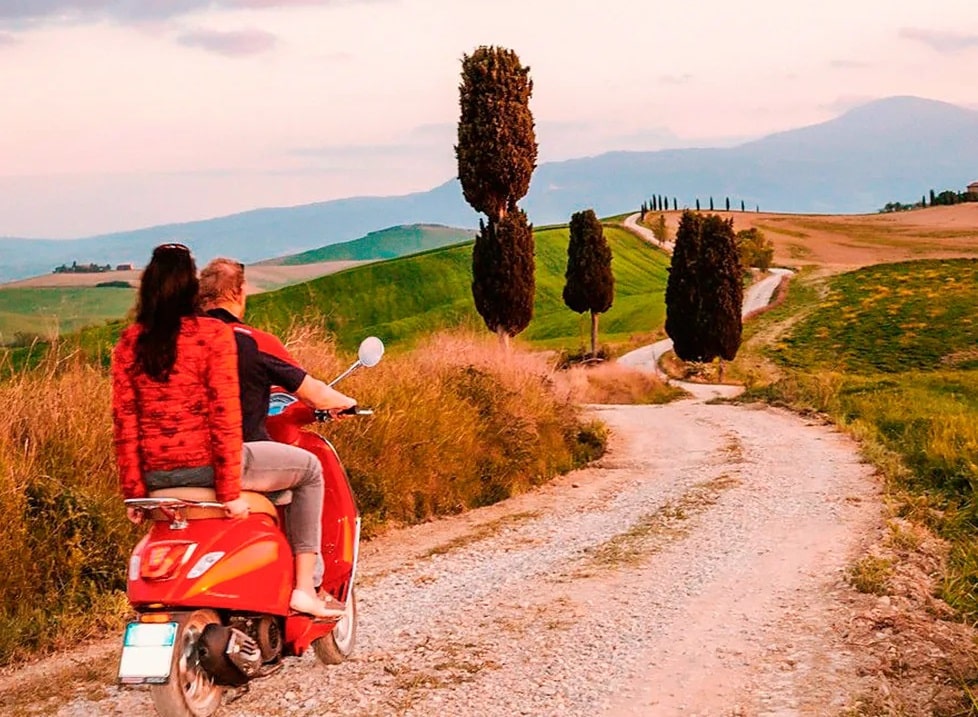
(892, 149)
(888, 150)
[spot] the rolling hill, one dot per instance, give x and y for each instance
(891, 149)
(404, 298)
(387, 243)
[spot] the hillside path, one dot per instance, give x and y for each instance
(698, 568)
(631, 223)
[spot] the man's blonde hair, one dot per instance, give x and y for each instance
(221, 279)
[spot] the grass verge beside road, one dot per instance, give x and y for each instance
(888, 352)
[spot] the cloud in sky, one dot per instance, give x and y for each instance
(675, 79)
(844, 103)
(849, 65)
(231, 44)
(19, 12)
(943, 41)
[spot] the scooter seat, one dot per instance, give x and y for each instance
(257, 502)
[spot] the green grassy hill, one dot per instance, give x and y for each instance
(384, 244)
(45, 312)
(401, 299)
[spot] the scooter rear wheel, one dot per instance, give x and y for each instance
(190, 692)
(334, 648)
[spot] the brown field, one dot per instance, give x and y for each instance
(260, 277)
(841, 242)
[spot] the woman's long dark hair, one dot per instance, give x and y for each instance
(167, 293)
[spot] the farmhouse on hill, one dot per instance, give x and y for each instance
(973, 189)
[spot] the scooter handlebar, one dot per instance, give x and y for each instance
(322, 415)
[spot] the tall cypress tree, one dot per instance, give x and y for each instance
(590, 284)
(682, 295)
(497, 154)
(502, 259)
(722, 289)
(704, 293)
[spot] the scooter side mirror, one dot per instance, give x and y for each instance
(370, 352)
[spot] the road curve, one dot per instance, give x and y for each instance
(631, 223)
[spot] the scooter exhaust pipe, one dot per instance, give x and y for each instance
(230, 656)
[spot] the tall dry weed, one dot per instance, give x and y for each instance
(613, 383)
(63, 536)
(458, 423)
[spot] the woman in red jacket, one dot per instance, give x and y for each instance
(175, 407)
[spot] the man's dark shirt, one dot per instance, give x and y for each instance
(263, 362)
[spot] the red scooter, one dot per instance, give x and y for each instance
(211, 594)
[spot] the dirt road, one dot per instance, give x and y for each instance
(696, 569)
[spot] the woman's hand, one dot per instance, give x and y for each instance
(135, 515)
(237, 508)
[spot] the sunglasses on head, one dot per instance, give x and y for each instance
(172, 247)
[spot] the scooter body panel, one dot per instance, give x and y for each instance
(251, 569)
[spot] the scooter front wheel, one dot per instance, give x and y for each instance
(334, 648)
(190, 692)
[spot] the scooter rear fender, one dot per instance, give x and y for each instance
(251, 571)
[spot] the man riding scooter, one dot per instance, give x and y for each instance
(269, 466)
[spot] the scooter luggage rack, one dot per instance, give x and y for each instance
(177, 510)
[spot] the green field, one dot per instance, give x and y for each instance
(892, 318)
(403, 299)
(384, 244)
(400, 300)
(46, 312)
(891, 353)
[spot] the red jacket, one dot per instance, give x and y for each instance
(191, 420)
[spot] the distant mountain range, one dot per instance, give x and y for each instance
(894, 149)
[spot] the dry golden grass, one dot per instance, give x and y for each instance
(613, 383)
(841, 242)
(459, 423)
(64, 539)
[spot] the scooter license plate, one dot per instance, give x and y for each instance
(147, 653)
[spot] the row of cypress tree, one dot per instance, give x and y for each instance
(497, 154)
(660, 203)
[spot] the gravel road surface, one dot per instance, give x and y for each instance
(694, 570)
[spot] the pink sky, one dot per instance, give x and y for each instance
(127, 113)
